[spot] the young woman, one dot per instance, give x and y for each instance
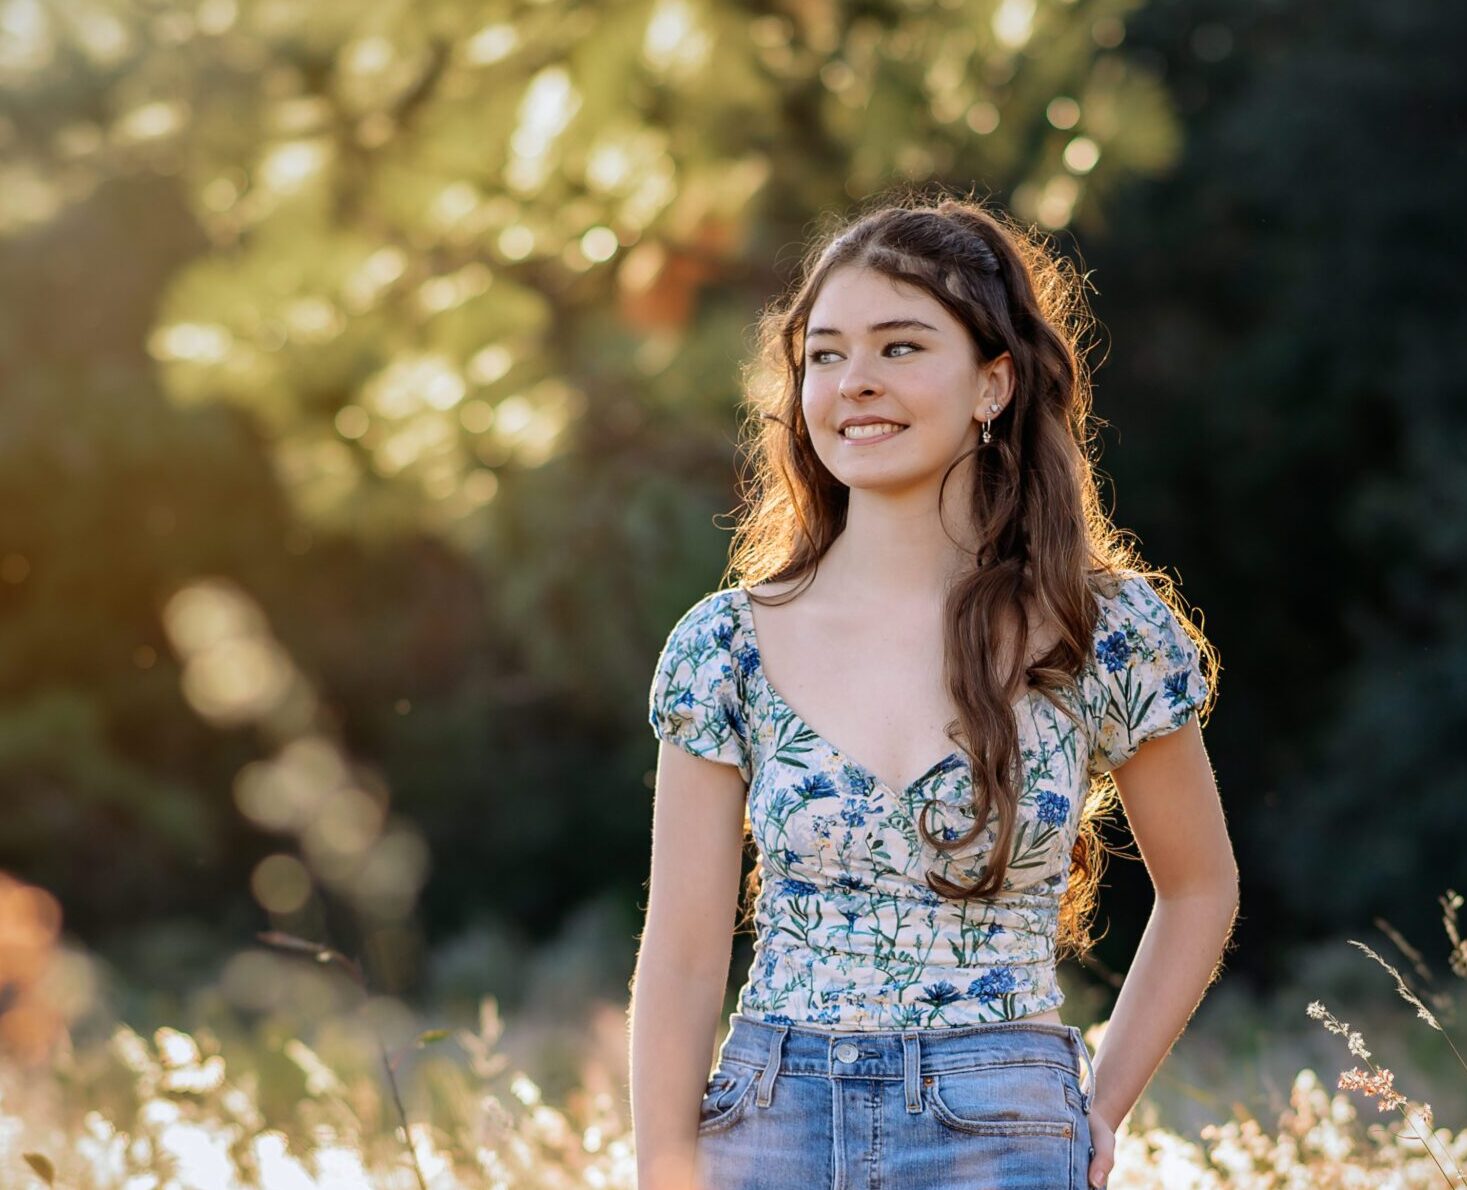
(940, 665)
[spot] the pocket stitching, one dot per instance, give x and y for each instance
(736, 1108)
(1056, 1128)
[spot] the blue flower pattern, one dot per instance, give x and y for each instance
(849, 934)
(1054, 808)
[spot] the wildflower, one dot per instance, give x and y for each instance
(1355, 1040)
(1378, 1084)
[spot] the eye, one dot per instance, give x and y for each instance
(815, 355)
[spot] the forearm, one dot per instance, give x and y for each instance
(674, 1021)
(1174, 964)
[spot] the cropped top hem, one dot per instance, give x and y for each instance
(886, 1023)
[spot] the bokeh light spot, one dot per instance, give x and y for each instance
(1013, 23)
(982, 117)
(352, 421)
(281, 883)
(1062, 112)
(599, 244)
(490, 44)
(1081, 155)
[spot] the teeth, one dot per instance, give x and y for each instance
(871, 431)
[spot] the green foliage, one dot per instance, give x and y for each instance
(1291, 436)
(424, 325)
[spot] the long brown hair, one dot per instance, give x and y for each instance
(1046, 544)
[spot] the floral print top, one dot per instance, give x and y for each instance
(848, 934)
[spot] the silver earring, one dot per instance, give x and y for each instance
(987, 422)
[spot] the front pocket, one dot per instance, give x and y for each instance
(1016, 1100)
(726, 1096)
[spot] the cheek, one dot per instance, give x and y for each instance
(816, 397)
(817, 406)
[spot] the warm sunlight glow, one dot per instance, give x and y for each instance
(1013, 23)
(550, 102)
(674, 43)
(490, 44)
(191, 342)
(286, 168)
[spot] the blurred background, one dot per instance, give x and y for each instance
(368, 412)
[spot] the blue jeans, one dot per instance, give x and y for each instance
(974, 1107)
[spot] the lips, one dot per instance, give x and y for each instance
(877, 432)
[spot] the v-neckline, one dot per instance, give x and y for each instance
(779, 698)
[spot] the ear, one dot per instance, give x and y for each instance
(995, 386)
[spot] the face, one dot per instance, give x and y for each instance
(879, 349)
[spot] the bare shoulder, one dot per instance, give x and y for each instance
(776, 589)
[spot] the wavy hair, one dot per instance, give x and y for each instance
(1046, 545)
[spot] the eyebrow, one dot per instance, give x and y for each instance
(894, 324)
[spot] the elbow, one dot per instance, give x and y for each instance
(1220, 889)
(694, 960)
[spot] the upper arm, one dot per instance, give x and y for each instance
(697, 849)
(1171, 802)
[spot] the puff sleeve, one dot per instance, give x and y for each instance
(696, 700)
(1150, 675)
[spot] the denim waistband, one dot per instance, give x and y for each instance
(904, 1054)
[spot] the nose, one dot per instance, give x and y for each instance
(856, 382)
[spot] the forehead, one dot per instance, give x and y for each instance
(852, 298)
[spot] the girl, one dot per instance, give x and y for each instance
(940, 664)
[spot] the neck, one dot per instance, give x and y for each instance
(895, 549)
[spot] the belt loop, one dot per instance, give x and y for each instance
(771, 1065)
(912, 1069)
(1087, 1092)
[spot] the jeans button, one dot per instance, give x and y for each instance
(846, 1052)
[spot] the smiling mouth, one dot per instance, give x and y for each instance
(872, 432)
